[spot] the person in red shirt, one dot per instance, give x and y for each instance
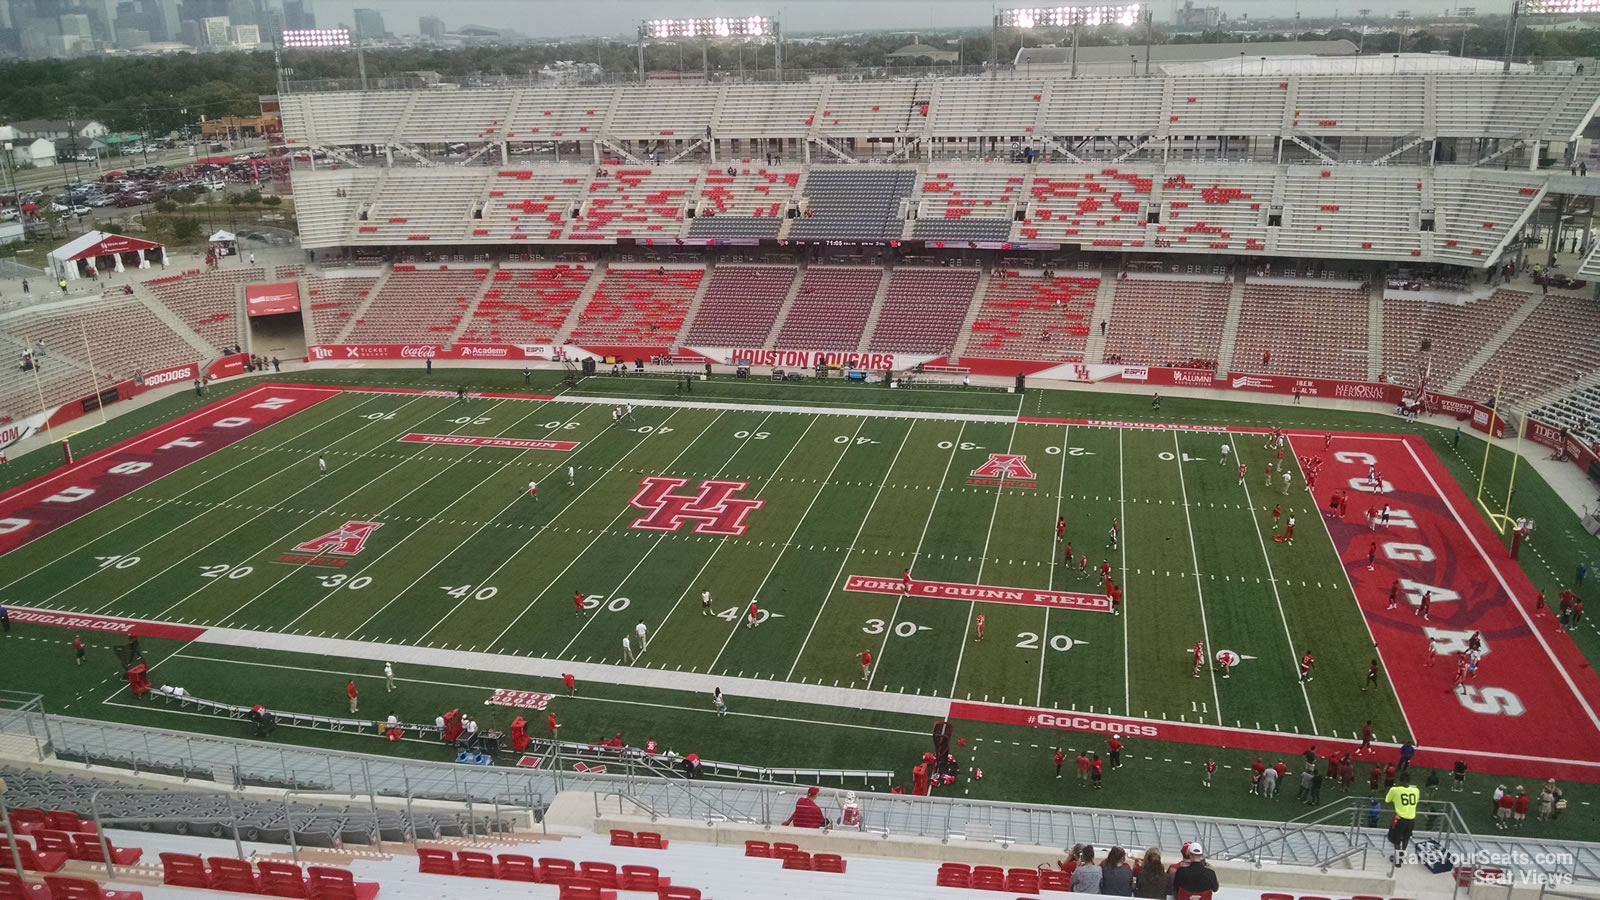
(1538, 603)
(1242, 470)
(1083, 768)
(1114, 750)
(1327, 439)
(1269, 474)
(1372, 555)
(751, 614)
(553, 725)
(1306, 662)
(1068, 554)
(1199, 656)
(1519, 813)
(1422, 607)
(1461, 671)
(1096, 770)
(1116, 600)
(1388, 775)
(905, 582)
(1394, 594)
(1061, 528)
(351, 692)
(1061, 757)
(571, 683)
(1344, 505)
(1116, 528)
(1366, 738)
(1577, 613)
(577, 603)
(866, 663)
(1105, 569)
(1372, 677)
(1083, 564)
(807, 814)
(1277, 513)
(1375, 777)
(1256, 771)
(1211, 769)
(77, 648)
(981, 623)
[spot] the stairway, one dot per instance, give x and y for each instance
(788, 304)
(372, 294)
(1094, 349)
(1493, 344)
(1375, 328)
(484, 287)
(964, 336)
(578, 305)
(204, 352)
(877, 310)
(1230, 325)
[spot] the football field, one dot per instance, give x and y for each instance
(423, 532)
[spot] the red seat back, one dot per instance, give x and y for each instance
(1206, 895)
(27, 819)
(780, 848)
(52, 841)
(1023, 881)
(797, 860)
(436, 862)
(651, 841)
(620, 838)
(760, 849)
(514, 867)
(581, 890)
(1054, 880)
(601, 873)
(477, 864)
(12, 887)
(66, 821)
(678, 893)
(330, 883)
(229, 874)
(555, 871)
(640, 878)
(281, 879)
(954, 878)
(183, 870)
(828, 862)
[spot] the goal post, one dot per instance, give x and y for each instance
(1496, 508)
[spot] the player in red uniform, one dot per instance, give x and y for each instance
(1461, 672)
(1344, 505)
(981, 623)
(1083, 564)
(751, 614)
(1366, 738)
(1060, 758)
(1061, 528)
(1211, 769)
(866, 663)
(577, 603)
(1372, 555)
(1394, 594)
(1288, 532)
(1277, 513)
(1432, 651)
(1538, 604)
(905, 582)
(1306, 662)
(555, 726)
(1105, 568)
(1269, 474)
(571, 683)
(1068, 554)
(1422, 608)
(1372, 677)
(1199, 656)
(1116, 600)
(1242, 470)
(1327, 439)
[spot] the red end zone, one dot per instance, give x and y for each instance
(1529, 699)
(50, 501)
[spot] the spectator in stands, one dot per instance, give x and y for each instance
(1086, 877)
(1116, 877)
(1193, 877)
(1068, 865)
(1152, 882)
(807, 814)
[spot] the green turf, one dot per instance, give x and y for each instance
(455, 518)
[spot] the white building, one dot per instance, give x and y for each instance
(214, 31)
(39, 152)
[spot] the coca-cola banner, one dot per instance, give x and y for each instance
(342, 352)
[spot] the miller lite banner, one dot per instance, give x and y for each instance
(810, 359)
(353, 352)
(272, 299)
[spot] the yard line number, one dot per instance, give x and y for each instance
(1028, 640)
(225, 570)
(904, 628)
(354, 584)
(464, 591)
(615, 604)
(117, 562)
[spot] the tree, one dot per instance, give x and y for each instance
(185, 228)
(252, 197)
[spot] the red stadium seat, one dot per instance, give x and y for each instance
(603, 874)
(641, 878)
(281, 879)
(581, 890)
(184, 870)
(477, 864)
(760, 849)
(83, 889)
(515, 867)
(797, 860)
(678, 893)
(87, 847)
(12, 887)
(33, 860)
(329, 883)
(555, 871)
(437, 862)
(1023, 881)
(828, 862)
(230, 874)
(649, 840)
(620, 838)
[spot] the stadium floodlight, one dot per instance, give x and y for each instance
(1089, 16)
(315, 38)
(1075, 17)
(712, 27)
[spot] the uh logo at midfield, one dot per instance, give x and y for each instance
(712, 510)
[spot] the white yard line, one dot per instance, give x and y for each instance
(1272, 580)
(156, 507)
(740, 445)
(850, 551)
(1122, 545)
(785, 549)
(1055, 553)
(939, 490)
(983, 560)
(371, 563)
(290, 533)
(310, 486)
(656, 429)
(626, 510)
(1194, 558)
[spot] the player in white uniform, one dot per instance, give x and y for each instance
(1224, 458)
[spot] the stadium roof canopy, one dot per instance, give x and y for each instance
(1114, 59)
(1372, 64)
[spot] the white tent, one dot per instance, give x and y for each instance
(223, 236)
(92, 248)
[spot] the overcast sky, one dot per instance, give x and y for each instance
(560, 18)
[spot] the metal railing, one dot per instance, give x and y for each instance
(1343, 834)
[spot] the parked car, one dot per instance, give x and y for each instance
(126, 200)
(70, 210)
(99, 201)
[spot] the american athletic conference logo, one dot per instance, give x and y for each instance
(714, 510)
(1009, 469)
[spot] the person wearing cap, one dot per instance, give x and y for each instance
(1193, 878)
(807, 814)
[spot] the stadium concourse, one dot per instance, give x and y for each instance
(1339, 251)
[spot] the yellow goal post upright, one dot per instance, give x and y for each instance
(1500, 519)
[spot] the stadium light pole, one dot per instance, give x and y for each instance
(319, 39)
(1074, 17)
(709, 29)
